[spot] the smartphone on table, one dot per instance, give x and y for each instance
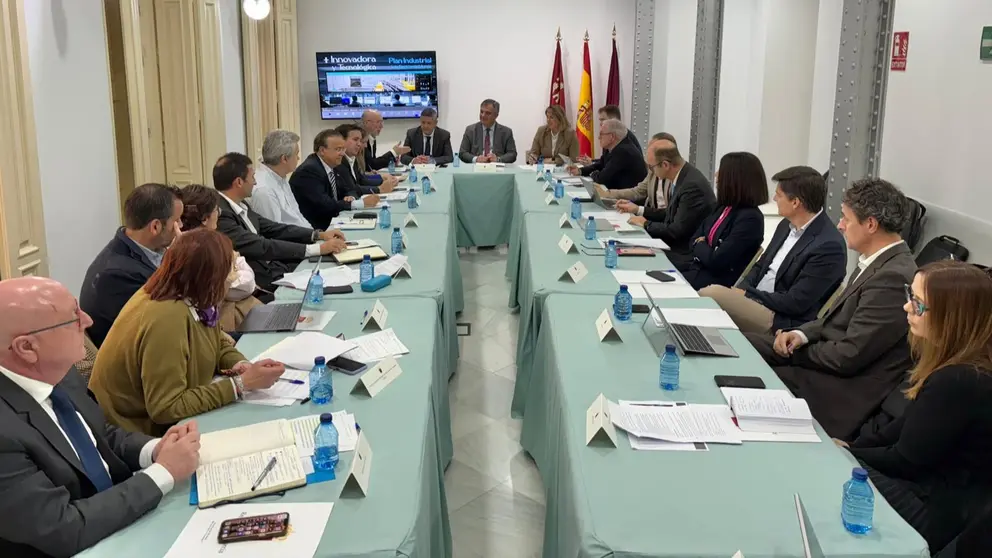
(253, 528)
(752, 382)
(346, 365)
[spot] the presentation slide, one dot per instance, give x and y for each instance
(397, 84)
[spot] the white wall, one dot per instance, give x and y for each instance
(741, 72)
(675, 42)
(513, 65)
(821, 117)
(70, 80)
(234, 97)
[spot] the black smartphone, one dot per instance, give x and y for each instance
(660, 276)
(640, 309)
(346, 365)
(339, 290)
(752, 382)
(365, 215)
(253, 528)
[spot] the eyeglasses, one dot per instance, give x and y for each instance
(914, 303)
(77, 320)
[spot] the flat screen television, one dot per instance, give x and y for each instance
(397, 84)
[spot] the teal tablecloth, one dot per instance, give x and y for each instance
(405, 512)
(604, 502)
(483, 204)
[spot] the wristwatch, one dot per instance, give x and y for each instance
(316, 235)
(239, 387)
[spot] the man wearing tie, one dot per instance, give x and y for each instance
(486, 141)
(372, 123)
(68, 479)
(427, 141)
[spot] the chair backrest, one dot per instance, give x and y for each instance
(85, 366)
(830, 301)
(912, 231)
(750, 264)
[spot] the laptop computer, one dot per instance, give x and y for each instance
(275, 317)
(690, 339)
(594, 192)
(811, 546)
(565, 159)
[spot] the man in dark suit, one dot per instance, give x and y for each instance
(351, 173)
(152, 215)
(372, 123)
(688, 199)
(609, 112)
(270, 248)
(846, 363)
(318, 187)
(486, 141)
(68, 478)
(622, 164)
(427, 142)
(802, 267)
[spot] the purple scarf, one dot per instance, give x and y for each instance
(209, 317)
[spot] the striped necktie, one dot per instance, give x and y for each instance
(334, 183)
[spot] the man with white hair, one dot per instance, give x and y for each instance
(272, 197)
(622, 165)
(372, 123)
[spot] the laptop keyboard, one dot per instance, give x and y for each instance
(283, 317)
(692, 339)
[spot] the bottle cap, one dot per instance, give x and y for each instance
(326, 418)
(396, 229)
(319, 361)
(623, 288)
(669, 348)
(590, 217)
(612, 242)
(859, 473)
(366, 258)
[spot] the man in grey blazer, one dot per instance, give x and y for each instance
(486, 141)
(68, 479)
(845, 363)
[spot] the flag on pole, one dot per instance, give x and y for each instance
(557, 77)
(583, 124)
(613, 81)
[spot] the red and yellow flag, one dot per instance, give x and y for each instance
(583, 123)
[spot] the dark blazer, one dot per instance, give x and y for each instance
(49, 505)
(440, 146)
(275, 250)
(807, 277)
(373, 163)
(736, 241)
(690, 203)
(118, 271)
(857, 352)
(355, 184)
(620, 167)
(503, 145)
(313, 193)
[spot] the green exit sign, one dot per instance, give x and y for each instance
(985, 53)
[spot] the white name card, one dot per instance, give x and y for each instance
(375, 380)
(405, 271)
(549, 186)
(405, 243)
(425, 169)
(551, 199)
(376, 319)
(564, 222)
(738, 554)
(605, 328)
(599, 426)
(567, 245)
(410, 221)
(485, 167)
(575, 273)
(360, 472)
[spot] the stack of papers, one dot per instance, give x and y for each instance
(333, 277)
(649, 444)
(390, 266)
(299, 351)
(645, 242)
(685, 424)
(771, 411)
(376, 346)
(392, 196)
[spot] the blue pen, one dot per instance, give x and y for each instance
(295, 382)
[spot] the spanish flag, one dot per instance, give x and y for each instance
(583, 124)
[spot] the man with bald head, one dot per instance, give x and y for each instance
(68, 479)
(372, 122)
(622, 165)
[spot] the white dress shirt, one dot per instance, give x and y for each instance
(41, 393)
(242, 212)
(355, 204)
(767, 282)
(273, 198)
(554, 142)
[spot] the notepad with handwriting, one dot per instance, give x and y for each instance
(231, 461)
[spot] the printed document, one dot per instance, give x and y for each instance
(300, 350)
(691, 423)
(376, 346)
(304, 428)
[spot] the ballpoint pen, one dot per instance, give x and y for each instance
(294, 382)
(268, 468)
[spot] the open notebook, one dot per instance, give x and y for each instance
(231, 461)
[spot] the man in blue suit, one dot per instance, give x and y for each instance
(802, 267)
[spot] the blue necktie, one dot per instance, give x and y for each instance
(72, 425)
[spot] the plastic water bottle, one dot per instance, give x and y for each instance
(669, 376)
(858, 504)
(540, 165)
(590, 228)
(576, 209)
(392, 166)
(623, 304)
(325, 444)
(365, 269)
(559, 189)
(321, 389)
(547, 176)
(385, 217)
(456, 162)
(425, 183)
(396, 241)
(315, 290)
(413, 174)
(411, 199)
(611, 254)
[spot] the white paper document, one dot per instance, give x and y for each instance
(580, 195)
(285, 391)
(631, 276)
(338, 276)
(691, 423)
(314, 320)
(391, 266)
(670, 290)
(699, 317)
(376, 346)
(306, 527)
(300, 350)
(650, 444)
(304, 428)
(772, 411)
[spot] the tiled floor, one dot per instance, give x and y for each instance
(495, 495)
